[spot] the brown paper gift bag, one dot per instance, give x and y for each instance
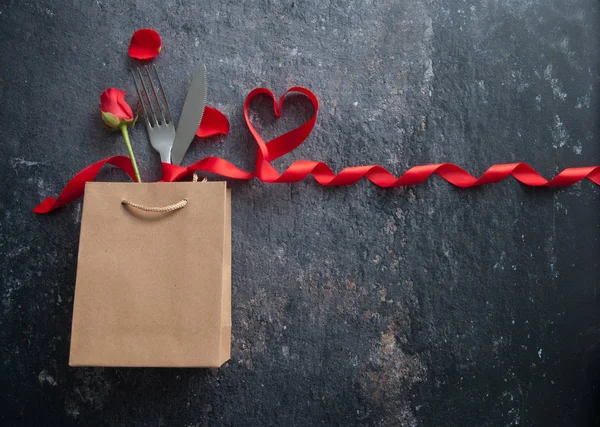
(153, 288)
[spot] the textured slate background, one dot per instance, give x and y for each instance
(426, 306)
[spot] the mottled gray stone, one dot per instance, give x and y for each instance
(428, 306)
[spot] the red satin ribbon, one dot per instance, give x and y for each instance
(278, 147)
(74, 188)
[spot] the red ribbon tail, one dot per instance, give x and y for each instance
(46, 206)
(76, 186)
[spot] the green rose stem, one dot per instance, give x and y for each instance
(125, 133)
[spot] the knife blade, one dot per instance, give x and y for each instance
(191, 115)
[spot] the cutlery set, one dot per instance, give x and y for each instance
(170, 144)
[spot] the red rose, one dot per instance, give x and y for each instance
(115, 110)
(117, 115)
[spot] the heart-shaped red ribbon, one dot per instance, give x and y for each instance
(283, 144)
(267, 151)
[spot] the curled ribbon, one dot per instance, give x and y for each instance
(322, 173)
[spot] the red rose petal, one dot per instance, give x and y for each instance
(213, 123)
(127, 112)
(145, 44)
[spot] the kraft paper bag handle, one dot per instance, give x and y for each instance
(169, 208)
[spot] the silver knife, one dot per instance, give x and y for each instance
(191, 115)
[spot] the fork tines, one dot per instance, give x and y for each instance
(155, 112)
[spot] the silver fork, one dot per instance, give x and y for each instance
(157, 117)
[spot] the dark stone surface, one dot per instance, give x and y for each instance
(424, 306)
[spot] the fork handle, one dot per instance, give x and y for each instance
(165, 155)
